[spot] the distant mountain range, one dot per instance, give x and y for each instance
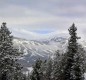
(34, 49)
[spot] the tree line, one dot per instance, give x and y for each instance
(64, 66)
(70, 65)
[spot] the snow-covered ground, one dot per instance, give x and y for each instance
(85, 76)
(30, 69)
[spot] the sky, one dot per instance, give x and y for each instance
(33, 18)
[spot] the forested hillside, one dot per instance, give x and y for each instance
(64, 65)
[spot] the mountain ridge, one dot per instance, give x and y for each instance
(44, 49)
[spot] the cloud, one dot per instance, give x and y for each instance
(34, 16)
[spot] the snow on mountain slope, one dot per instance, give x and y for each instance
(34, 49)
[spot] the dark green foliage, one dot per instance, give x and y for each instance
(8, 55)
(4, 76)
(49, 70)
(78, 67)
(57, 67)
(72, 70)
(43, 70)
(36, 74)
(67, 66)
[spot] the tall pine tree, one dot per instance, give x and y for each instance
(72, 69)
(36, 73)
(8, 55)
(57, 66)
(49, 70)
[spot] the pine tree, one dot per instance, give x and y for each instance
(57, 66)
(43, 70)
(72, 71)
(36, 74)
(78, 67)
(8, 55)
(49, 70)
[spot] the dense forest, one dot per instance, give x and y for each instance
(70, 65)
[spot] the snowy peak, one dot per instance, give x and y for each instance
(34, 49)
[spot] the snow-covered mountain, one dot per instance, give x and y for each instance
(34, 49)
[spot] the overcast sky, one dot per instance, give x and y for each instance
(41, 17)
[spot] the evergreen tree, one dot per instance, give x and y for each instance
(72, 71)
(57, 66)
(78, 66)
(49, 70)
(43, 70)
(8, 55)
(36, 74)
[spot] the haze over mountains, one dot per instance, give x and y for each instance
(43, 48)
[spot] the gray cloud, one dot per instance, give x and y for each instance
(43, 15)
